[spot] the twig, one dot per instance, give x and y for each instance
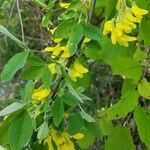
(75, 56)
(20, 18)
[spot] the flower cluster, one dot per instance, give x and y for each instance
(62, 140)
(126, 21)
(62, 53)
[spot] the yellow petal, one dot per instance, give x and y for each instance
(74, 79)
(53, 30)
(113, 38)
(138, 11)
(52, 68)
(108, 27)
(122, 41)
(64, 5)
(130, 17)
(79, 68)
(78, 136)
(40, 93)
(124, 27)
(56, 53)
(66, 53)
(56, 40)
(130, 38)
(86, 40)
(50, 49)
(129, 23)
(67, 146)
(118, 6)
(48, 141)
(73, 73)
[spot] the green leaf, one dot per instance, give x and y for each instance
(144, 89)
(86, 141)
(41, 4)
(64, 29)
(46, 20)
(11, 108)
(7, 33)
(110, 8)
(93, 50)
(13, 65)
(93, 128)
(144, 30)
(87, 117)
(75, 124)
(112, 52)
(119, 139)
(31, 72)
(58, 111)
(121, 108)
(105, 126)
(43, 131)
(36, 61)
(75, 37)
(140, 55)
(91, 32)
(128, 86)
(73, 92)
(127, 68)
(4, 130)
(143, 4)
(20, 131)
(142, 119)
(47, 77)
(28, 90)
(69, 99)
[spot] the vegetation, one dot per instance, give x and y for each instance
(85, 71)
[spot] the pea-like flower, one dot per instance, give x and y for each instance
(59, 51)
(64, 5)
(76, 71)
(62, 140)
(120, 27)
(40, 93)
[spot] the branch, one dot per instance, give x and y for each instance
(21, 23)
(75, 56)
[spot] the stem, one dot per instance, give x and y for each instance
(75, 56)
(21, 23)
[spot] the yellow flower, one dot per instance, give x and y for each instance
(86, 40)
(78, 136)
(108, 27)
(79, 68)
(48, 141)
(57, 50)
(138, 11)
(130, 17)
(124, 27)
(56, 40)
(67, 146)
(118, 6)
(52, 68)
(40, 93)
(124, 23)
(51, 49)
(77, 71)
(66, 53)
(53, 30)
(62, 140)
(64, 5)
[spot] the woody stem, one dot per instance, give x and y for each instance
(75, 56)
